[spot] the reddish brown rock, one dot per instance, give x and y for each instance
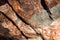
(13, 31)
(26, 8)
(26, 29)
(52, 3)
(34, 22)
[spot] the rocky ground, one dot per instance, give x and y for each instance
(30, 20)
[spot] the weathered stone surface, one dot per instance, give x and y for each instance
(52, 3)
(26, 8)
(53, 31)
(9, 29)
(22, 26)
(30, 19)
(55, 11)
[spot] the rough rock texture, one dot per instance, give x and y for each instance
(30, 20)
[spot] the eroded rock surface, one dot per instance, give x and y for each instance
(30, 19)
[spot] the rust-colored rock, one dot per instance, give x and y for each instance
(22, 26)
(11, 30)
(26, 8)
(30, 19)
(52, 3)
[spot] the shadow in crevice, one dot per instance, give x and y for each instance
(14, 24)
(2, 2)
(46, 8)
(5, 38)
(4, 33)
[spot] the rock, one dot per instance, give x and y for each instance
(30, 19)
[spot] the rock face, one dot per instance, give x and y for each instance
(30, 20)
